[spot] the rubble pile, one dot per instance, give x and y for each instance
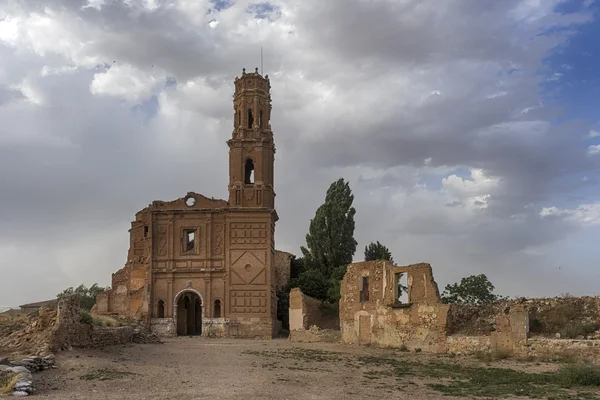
(34, 338)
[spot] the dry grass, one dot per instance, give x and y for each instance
(7, 385)
(98, 320)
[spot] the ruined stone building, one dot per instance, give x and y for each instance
(197, 265)
(371, 310)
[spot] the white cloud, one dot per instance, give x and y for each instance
(593, 134)
(585, 214)
(594, 149)
(126, 81)
(396, 104)
(471, 193)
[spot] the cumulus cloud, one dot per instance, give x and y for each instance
(431, 110)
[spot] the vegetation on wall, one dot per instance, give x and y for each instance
(86, 296)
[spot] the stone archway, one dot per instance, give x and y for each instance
(188, 313)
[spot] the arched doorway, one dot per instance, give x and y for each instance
(189, 314)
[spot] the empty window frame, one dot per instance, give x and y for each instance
(402, 287)
(189, 240)
(364, 288)
(249, 172)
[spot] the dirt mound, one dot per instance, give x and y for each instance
(33, 338)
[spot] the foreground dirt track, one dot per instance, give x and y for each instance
(198, 368)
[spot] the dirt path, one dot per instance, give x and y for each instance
(199, 368)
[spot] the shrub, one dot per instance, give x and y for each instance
(86, 318)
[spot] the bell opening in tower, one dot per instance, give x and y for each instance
(250, 119)
(249, 169)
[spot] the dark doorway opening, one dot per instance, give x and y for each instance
(189, 314)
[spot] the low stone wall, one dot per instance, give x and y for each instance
(69, 332)
(548, 348)
(109, 336)
(316, 334)
(163, 327)
(460, 344)
(306, 311)
(564, 317)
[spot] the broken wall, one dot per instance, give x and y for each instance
(310, 321)
(306, 311)
(69, 332)
(376, 316)
(282, 262)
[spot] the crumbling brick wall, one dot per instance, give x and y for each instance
(128, 294)
(69, 332)
(512, 327)
(306, 311)
(381, 319)
(282, 262)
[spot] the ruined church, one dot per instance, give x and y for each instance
(201, 266)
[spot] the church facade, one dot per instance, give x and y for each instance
(201, 266)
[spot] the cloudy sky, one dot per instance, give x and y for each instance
(468, 129)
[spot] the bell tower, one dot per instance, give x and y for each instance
(251, 147)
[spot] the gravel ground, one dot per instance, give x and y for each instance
(198, 368)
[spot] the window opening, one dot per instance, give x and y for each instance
(364, 288)
(190, 239)
(161, 309)
(250, 119)
(249, 172)
(260, 119)
(402, 288)
(217, 309)
(145, 230)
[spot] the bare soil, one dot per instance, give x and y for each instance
(199, 368)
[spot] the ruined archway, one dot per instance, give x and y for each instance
(188, 313)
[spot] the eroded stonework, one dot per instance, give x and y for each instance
(371, 313)
(198, 265)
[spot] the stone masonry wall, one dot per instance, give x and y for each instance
(315, 334)
(306, 311)
(69, 332)
(381, 319)
(282, 262)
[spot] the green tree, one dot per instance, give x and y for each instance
(474, 289)
(312, 283)
(377, 251)
(335, 284)
(86, 296)
(330, 239)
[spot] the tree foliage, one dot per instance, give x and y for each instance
(377, 251)
(85, 295)
(474, 289)
(313, 283)
(330, 239)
